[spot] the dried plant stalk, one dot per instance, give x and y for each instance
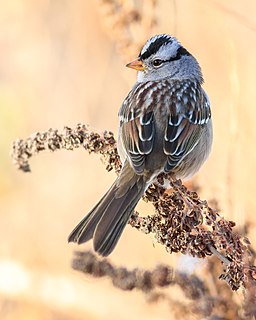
(147, 281)
(182, 222)
(200, 299)
(69, 139)
(185, 223)
(129, 23)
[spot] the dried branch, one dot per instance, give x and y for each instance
(69, 139)
(129, 23)
(88, 263)
(182, 223)
(146, 281)
(199, 298)
(185, 223)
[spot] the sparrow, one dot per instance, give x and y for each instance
(165, 126)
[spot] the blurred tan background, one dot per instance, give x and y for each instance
(59, 66)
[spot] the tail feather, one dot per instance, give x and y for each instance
(78, 235)
(107, 220)
(83, 232)
(106, 247)
(113, 222)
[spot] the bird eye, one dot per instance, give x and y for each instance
(157, 62)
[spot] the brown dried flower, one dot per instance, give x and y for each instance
(182, 223)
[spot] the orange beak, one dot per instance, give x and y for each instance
(136, 64)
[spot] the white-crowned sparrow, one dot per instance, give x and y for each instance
(165, 126)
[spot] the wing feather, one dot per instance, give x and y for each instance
(184, 108)
(187, 115)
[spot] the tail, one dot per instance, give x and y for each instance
(107, 220)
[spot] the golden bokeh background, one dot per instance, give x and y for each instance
(60, 65)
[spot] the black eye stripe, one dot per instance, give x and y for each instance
(180, 52)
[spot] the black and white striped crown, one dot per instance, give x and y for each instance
(154, 44)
